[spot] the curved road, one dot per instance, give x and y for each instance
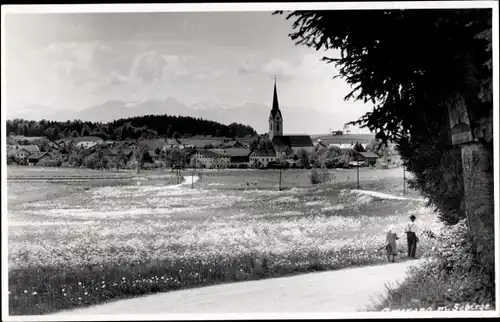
(346, 290)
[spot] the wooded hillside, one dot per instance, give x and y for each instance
(142, 127)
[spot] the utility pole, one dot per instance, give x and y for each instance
(404, 180)
(357, 167)
(279, 186)
(138, 164)
(192, 176)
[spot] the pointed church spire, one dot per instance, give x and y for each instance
(275, 118)
(276, 106)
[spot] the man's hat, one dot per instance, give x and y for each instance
(413, 217)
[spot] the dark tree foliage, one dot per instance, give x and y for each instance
(143, 127)
(408, 64)
(262, 143)
(358, 147)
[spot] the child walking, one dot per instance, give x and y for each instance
(390, 239)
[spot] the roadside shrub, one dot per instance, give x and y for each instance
(319, 176)
(11, 160)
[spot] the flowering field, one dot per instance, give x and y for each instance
(77, 247)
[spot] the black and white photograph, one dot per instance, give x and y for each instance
(199, 161)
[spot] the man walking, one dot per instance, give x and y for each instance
(411, 237)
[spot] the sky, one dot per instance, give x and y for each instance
(75, 61)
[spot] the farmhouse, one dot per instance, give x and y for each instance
(21, 151)
(261, 158)
(369, 157)
(131, 145)
(22, 154)
(210, 159)
(34, 157)
(237, 156)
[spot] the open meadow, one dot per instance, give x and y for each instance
(73, 245)
(47, 172)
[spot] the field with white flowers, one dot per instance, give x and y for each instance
(72, 246)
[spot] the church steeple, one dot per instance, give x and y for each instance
(276, 106)
(275, 118)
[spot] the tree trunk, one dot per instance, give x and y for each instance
(478, 197)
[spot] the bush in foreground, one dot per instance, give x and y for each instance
(450, 277)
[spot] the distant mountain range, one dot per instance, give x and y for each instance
(253, 114)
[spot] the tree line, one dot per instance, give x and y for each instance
(140, 127)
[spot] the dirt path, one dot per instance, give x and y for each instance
(345, 290)
(384, 195)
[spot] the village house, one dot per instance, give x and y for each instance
(35, 157)
(237, 156)
(21, 152)
(261, 158)
(129, 148)
(210, 159)
(368, 158)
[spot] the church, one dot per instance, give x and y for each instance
(283, 143)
